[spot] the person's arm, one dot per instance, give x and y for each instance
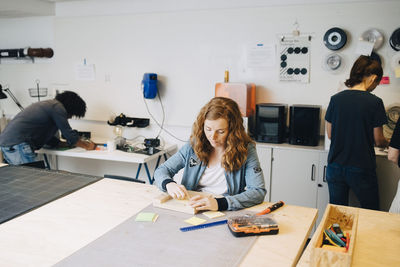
(86, 144)
(394, 146)
(379, 138)
(393, 154)
(164, 174)
(60, 118)
(255, 187)
(328, 129)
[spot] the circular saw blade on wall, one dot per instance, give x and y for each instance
(335, 38)
(332, 62)
(392, 114)
(373, 36)
(394, 40)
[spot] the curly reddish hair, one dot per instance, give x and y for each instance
(237, 140)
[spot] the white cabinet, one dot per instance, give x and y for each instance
(265, 156)
(322, 184)
(298, 178)
(293, 176)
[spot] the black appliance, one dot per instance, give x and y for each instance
(304, 125)
(270, 122)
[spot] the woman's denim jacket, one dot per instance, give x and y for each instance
(245, 186)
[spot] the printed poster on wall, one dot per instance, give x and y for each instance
(295, 59)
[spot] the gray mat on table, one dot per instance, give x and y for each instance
(162, 244)
(23, 189)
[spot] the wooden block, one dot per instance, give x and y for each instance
(164, 197)
(347, 218)
(165, 201)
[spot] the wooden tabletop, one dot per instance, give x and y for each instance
(377, 240)
(49, 234)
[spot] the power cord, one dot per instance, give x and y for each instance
(162, 124)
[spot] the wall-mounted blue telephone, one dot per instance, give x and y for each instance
(149, 85)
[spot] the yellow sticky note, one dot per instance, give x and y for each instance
(397, 72)
(195, 220)
(213, 214)
(146, 217)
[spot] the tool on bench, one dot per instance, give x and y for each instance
(259, 224)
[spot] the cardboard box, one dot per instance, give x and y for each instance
(347, 218)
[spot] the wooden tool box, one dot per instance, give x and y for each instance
(347, 218)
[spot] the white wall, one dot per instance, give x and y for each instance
(189, 49)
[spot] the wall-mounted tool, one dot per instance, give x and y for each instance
(26, 52)
(394, 40)
(373, 36)
(3, 96)
(335, 38)
(149, 85)
(123, 120)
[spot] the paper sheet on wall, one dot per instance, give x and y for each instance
(85, 72)
(295, 59)
(397, 72)
(260, 56)
(364, 48)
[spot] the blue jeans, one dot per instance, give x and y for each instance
(18, 154)
(363, 182)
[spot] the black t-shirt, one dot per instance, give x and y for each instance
(395, 141)
(354, 114)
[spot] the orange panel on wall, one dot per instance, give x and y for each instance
(244, 95)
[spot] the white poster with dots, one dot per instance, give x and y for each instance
(294, 61)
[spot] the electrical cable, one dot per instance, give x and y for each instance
(163, 113)
(161, 125)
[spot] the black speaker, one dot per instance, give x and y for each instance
(270, 122)
(304, 125)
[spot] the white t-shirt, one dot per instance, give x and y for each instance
(213, 180)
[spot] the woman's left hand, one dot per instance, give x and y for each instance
(203, 203)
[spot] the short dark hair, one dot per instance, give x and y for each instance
(73, 103)
(364, 66)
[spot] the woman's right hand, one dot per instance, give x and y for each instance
(177, 191)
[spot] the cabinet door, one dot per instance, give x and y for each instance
(293, 176)
(265, 156)
(323, 191)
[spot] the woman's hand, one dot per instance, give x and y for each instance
(177, 191)
(203, 203)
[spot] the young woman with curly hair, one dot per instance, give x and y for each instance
(220, 159)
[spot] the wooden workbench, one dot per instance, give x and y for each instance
(49, 234)
(377, 240)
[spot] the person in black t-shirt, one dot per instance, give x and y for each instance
(354, 121)
(393, 155)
